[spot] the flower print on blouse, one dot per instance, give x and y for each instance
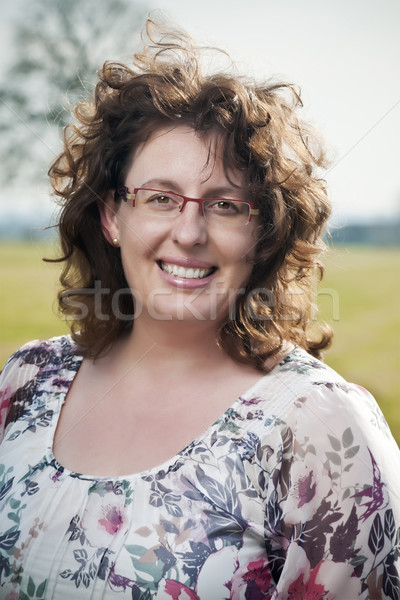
(293, 493)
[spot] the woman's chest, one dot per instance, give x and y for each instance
(194, 525)
(111, 430)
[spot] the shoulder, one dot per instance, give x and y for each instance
(299, 376)
(317, 426)
(38, 354)
(30, 365)
(314, 384)
(304, 371)
(311, 401)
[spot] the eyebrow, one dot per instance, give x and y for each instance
(171, 186)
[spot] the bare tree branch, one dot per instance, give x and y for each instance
(58, 48)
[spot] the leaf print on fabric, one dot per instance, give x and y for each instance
(89, 565)
(276, 557)
(8, 540)
(375, 492)
(335, 443)
(295, 362)
(223, 525)
(384, 555)
(6, 487)
(275, 421)
(344, 537)
(273, 513)
(115, 487)
(164, 496)
(219, 494)
(149, 567)
(166, 557)
(315, 533)
(14, 515)
(229, 421)
(39, 355)
(347, 441)
(237, 475)
(247, 445)
(351, 452)
(138, 594)
(194, 560)
(347, 438)
(7, 544)
(333, 385)
(31, 487)
(376, 537)
(33, 591)
(390, 526)
(391, 581)
(4, 409)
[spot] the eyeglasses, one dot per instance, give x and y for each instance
(222, 211)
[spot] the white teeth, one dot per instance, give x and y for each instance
(185, 273)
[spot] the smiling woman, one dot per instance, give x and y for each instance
(169, 249)
(185, 441)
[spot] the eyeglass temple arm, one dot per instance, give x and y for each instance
(123, 192)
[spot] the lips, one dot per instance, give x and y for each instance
(185, 272)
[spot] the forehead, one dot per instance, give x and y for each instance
(181, 153)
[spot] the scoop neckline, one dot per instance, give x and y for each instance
(164, 466)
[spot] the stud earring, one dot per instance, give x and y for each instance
(115, 242)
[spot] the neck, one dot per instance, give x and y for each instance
(166, 343)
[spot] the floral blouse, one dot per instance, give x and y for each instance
(294, 493)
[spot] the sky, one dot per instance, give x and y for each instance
(344, 55)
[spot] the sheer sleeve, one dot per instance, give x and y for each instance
(329, 476)
(17, 381)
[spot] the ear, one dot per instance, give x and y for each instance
(108, 216)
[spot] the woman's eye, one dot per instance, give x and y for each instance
(161, 199)
(223, 206)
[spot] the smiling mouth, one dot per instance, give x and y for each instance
(183, 273)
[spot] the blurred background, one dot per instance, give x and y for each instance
(343, 55)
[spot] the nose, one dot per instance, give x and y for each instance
(189, 227)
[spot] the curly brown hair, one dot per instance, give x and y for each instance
(280, 155)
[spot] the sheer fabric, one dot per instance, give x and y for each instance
(293, 493)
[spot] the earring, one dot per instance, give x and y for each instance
(115, 242)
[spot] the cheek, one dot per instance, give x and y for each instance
(246, 259)
(243, 252)
(139, 239)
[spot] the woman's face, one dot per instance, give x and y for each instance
(182, 267)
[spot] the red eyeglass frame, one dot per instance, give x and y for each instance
(123, 192)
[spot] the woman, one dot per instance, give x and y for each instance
(185, 441)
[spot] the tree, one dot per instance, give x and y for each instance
(58, 47)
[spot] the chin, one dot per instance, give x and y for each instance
(186, 309)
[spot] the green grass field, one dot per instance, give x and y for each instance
(359, 297)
